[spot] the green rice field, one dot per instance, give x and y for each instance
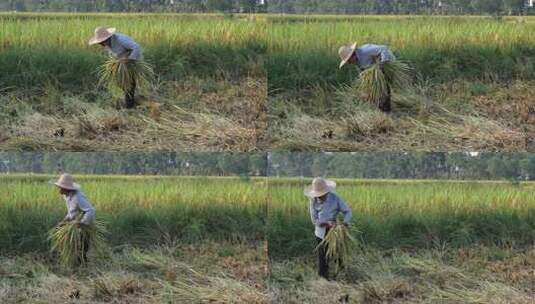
(209, 76)
(171, 239)
(418, 242)
(409, 214)
(471, 73)
(137, 210)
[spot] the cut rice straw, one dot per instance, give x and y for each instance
(339, 242)
(124, 73)
(376, 81)
(68, 241)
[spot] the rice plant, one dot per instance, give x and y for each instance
(69, 240)
(124, 72)
(379, 79)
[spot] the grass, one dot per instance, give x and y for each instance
(170, 238)
(479, 274)
(464, 68)
(473, 88)
(303, 49)
(138, 210)
(419, 242)
(205, 46)
(140, 275)
(409, 214)
(208, 77)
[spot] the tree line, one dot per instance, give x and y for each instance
(207, 164)
(458, 7)
(178, 6)
(386, 165)
(389, 165)
(402, 7)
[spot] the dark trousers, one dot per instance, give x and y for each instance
(323, 262)
(130, 96)
(85, 242)
(385, 101)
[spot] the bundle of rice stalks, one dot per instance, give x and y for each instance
(68, 241)
(376, 81)
(124, 73)
(339, 243)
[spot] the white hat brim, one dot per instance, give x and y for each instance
(331, 186)
(345, 60)
(95, 40)
(75, 186)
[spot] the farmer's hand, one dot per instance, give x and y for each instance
(382, 66)
(328, 224)
(78, 224)
(61, 224)
(125, 60)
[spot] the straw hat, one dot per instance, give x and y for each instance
(101, 34)
(66, 182)
(345, 52)
(319, 187)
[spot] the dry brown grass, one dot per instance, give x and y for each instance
(472, 275)
(195, 115)
(157, 275)
(445, 118)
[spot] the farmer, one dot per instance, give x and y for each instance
(77, 206)
(121, 47)
(325, 205)
(363, 57)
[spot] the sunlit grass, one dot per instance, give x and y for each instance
(137, 210)
(410, 213)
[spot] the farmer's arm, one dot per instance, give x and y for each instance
(372, 53)
(345, 210)
(313, 213)
(88, 210)
(385, 54)
(72, 209)
(132, 46)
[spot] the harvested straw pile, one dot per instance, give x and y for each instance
(124, 73)
(68, 241)
(376, 80)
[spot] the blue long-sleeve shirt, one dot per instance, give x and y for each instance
(368, 53)
(122, 46)
(77, 203)
(327, 211)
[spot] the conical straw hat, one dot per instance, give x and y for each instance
(66, 181)
(101, 34)
(345, 52)
(320, 187)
